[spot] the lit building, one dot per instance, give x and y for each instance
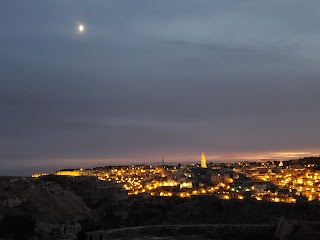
(74, 173)
(186, 185)
(203, 161)
(36, 175)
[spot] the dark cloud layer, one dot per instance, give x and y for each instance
(236, 79)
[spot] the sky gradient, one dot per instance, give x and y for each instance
(238, 80)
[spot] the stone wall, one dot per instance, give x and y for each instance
(220, 231)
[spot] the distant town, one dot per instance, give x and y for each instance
(274, 181)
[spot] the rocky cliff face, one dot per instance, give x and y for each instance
(31, 207)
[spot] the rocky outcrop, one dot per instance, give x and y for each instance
(51, 211)
(10, 202)
(57, 231)
(285, 228)
(293, 230)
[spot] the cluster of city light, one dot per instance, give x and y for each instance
(156, 181)
(302, 181)
(224, 183)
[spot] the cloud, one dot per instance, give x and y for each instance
(157, 78)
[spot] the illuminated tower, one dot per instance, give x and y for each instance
(203, 161)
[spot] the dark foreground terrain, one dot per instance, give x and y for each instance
(85, 208)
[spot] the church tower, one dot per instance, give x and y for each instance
(203, 160)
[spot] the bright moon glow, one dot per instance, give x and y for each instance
(80, 28)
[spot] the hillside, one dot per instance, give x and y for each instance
(44, 209)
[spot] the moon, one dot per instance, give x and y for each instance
(81, 28)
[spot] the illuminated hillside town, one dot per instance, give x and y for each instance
(275, 181)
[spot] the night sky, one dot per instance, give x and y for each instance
(239, 80)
